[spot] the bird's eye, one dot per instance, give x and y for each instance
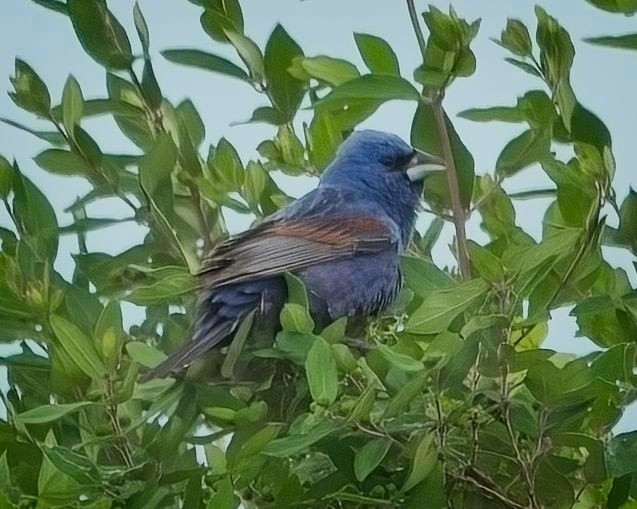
(396, 161)
(388, 160)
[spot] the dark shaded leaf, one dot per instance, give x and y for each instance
(626, 7)
(100, 33)
(628, 41)
(206, 61)
(287, 91)
(30, 93)
(425, 137)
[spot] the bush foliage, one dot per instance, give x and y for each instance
(447, 401)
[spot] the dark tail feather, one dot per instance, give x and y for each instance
(200, 344)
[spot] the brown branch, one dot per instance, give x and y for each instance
(459, 213)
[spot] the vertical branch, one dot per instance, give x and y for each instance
(459, 213)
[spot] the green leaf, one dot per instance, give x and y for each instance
(525, 150)
(423, 276)
(335, 331)
(431, 489)
(249, 52)
(144, 354)
(157, 165)
(72, 104)
(150, 87)
(554, 489)
(296, 318)
(236, 347)
(626, 233)
(287, 91)
(227, 167)
(373, 86)
(425, 459)
(6, 178)
(425, 137)
(370, 456)
(294, 444)
(378, 55)
(101, 35)
(556, 55)
(30, 92)
(628, 41)
(35, 216)
(220, 17)
(441, 307)
(206, 61)
(79, 347)
(322, 375)
(142, 28)
(525, 66)
(621, 454)
(515, 37)
(255, 183)
(53, 5)
(400, 361)
(164, 284)
(405, 396)
(192, 121)
(50, 413)
(334, 71)
(61, 162)
(494, 114)
(626, 7)
(224, 497)
(75, 465)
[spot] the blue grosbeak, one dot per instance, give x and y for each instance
(343, 240)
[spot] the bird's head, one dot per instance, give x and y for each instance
(382, 168)
(379, 160)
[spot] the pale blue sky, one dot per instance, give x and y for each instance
(604, 80)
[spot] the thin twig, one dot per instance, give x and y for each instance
(413, 14)
(491, 492)
(525, 467)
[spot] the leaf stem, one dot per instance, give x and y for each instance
(413, 15)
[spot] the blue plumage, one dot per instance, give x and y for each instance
(342, 239)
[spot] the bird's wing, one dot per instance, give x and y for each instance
(288, 244)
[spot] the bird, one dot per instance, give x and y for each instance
(343, 240)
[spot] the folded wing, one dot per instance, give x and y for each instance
(285, 245)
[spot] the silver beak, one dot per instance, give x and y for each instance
(423, 165)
